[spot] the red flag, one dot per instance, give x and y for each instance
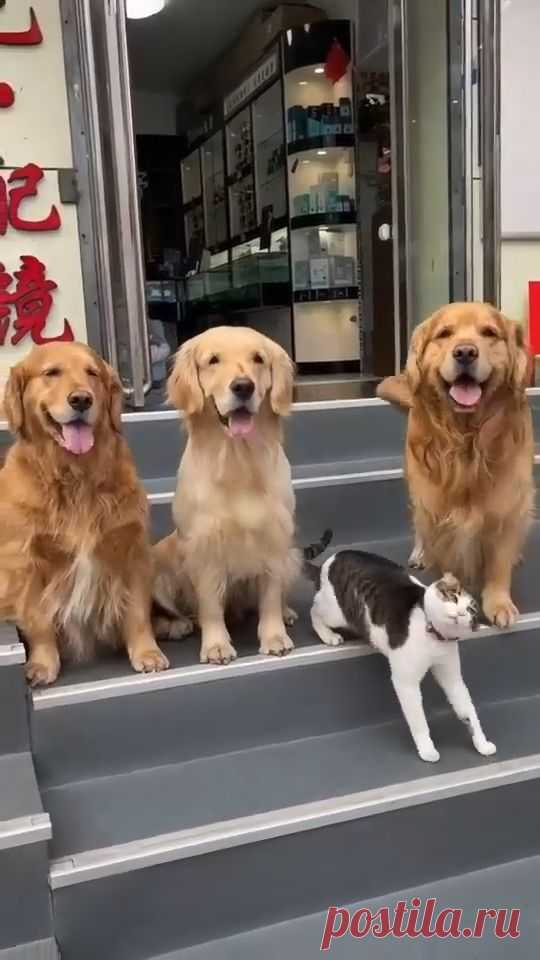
(337, 62)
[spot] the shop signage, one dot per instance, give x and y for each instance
(41, 294)
(266, 72)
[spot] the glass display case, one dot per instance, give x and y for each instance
(278, 186)
(213, 165)
(321, 149)
(192, 196)
(240, 179)
(270, 154)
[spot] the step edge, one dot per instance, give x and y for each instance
(21, 831)
(135, 683)
(12, 653)
(147, 416)
(303, 483)
(211, 838)
(322, 480)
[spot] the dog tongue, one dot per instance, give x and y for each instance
(241, 423)
(467, 393)
(77, 437)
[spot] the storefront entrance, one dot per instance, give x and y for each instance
(319, 172)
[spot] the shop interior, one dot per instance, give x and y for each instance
(264, 174)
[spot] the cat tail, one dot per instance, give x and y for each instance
(311, 570)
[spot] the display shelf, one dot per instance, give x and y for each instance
(326, 295)
(323, 219)
(320, 143)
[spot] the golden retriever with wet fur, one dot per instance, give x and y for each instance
(234, 504)
(469, 450)
(75, 563)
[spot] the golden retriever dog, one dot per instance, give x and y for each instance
(75, 562)
(234, 505)
(469, 450)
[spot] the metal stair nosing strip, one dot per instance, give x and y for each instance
(21, 831)
(210, 838)
(133, 683)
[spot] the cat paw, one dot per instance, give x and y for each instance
(429, 754)
(499, 608)
(485, 748)
(332, 639)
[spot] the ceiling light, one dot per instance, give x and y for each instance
(137, 9)
(322, 153)
(319, 69)
(302, 83)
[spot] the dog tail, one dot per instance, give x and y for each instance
(311, 570)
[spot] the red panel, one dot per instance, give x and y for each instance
(534, 316)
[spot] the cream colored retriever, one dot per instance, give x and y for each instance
(75, 559)
(469, 452)
(234, 504)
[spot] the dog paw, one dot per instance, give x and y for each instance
(499, 609)
(485, 748)
(429, 753)
(277, 646)
(290, 616)
(417, 560)
(42, 671)
(220, 652)
(149, 660)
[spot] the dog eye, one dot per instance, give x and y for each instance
(444, 333)
(91, 373)
(213, 360)
(258, 359)
(52, 372)
(489, 332)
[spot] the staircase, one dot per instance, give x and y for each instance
(216, 813)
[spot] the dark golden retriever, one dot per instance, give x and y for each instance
(469, 452)
(75, 563)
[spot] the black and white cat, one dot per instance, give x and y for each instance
(415, 627)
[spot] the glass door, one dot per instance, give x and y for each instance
(104, 111)
(427, 161)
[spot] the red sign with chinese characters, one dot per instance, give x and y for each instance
(26, 293)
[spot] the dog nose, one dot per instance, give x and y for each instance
(80, 400)
(465, 354)
(243, 388)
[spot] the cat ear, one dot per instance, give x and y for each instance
(448, 586)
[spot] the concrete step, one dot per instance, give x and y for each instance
(506, 886)
(211, 883)
(279, 774)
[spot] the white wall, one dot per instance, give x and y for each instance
(154, 113)
(520, 152)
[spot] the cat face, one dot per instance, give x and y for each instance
(453, 612)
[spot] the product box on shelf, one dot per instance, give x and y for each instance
(319, 268)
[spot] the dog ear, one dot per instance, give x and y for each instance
(13, 399)
(115, 396)
(183, 387)
(417, 346)
(520, 366)
(281, 395)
